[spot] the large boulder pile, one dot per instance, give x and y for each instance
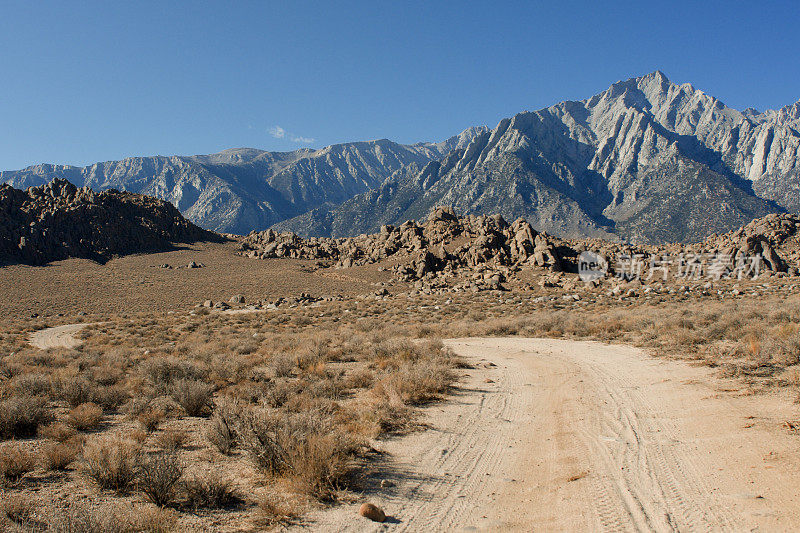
(482, 252)
(445, 245)
(58, 220)
(776, 237)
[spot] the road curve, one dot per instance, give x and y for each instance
(56, 337)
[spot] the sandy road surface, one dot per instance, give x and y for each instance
(57, 337)
(581, 436)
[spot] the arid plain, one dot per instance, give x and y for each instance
(249, 393)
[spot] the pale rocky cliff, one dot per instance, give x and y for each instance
(646, 160)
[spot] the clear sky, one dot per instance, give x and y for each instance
(93, 81)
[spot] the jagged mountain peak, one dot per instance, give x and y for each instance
(646, 160)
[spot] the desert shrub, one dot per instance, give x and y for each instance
(111, 397)
(172, 439)
(783, 350)
(75, 390)
(108, 375)
(282, 365)
(360, 379)
(30, 385)
(221, 431)
(59, 455)
(15, 461)
(109, 518)
(193, 395)
(273, 512)
(210, 491)
(21, 416)
(381, 415)
(158, 474)
(278, 394)
(306, 448)
(267, 437)
(111, 463)
(57, 431)
(85, 416)
(164, 371)
(150, 419)
(416, 383)
(320, 463)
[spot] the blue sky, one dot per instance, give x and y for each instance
(95, 81)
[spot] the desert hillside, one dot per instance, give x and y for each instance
(58, 220)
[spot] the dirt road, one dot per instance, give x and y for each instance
(581, 436)
(57, 337)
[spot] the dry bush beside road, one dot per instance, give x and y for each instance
(286, 401)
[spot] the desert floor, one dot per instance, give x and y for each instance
(138, 283)
(687, 422)
(557, 435)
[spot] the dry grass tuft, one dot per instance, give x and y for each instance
(21, 416)
(172, 440)
(210, 491)
(193, 395)
(85, 416)
(19, 509)
(15, 462)
(57, 431)
(278, 512)
(59, 455)
(151, 418)
(109, 518)
(158, 473)
(221, 431)
(111, 463)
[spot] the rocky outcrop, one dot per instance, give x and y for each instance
(58, 220)
(445, 246)
(240, 190)
(476, 253)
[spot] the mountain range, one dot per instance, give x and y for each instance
(646, 160)
(245, 189)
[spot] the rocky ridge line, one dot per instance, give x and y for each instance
(482, 252)
(58, 220)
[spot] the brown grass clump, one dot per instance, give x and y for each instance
(15, 462)
(210, 491)
(172, 439)
(30, 384)
(75, 390)
(108, 518)
(193, 395)
(221, 431)
(85, 416)
(18, 508)
(111, 463)
(158, 474)
(59, 455)
(416, 383)
(274, 511)
(308, 451)
(164, 371)
(320, 464)
(57, 431)
(150, 419)
(21, 416)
